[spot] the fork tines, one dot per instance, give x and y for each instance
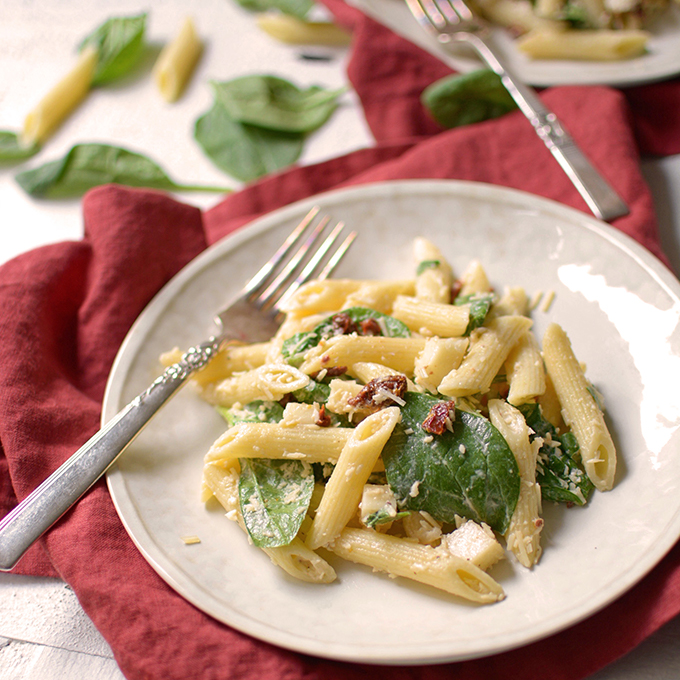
(303, 256)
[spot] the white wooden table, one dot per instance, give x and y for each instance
(44, 633)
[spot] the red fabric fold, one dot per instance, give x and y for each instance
(65, 309)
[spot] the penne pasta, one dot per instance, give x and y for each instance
(177, 61)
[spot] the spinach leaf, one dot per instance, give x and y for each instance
(480, 304)
(89, 165)
(294, 348)
(11, 148)
(296, 8)
(558, 470)
(314, 392)
(119, 42)
(470, 471)
(274, 496)
(276, 104)
(257, 411)
(382, 517)
(468, 98)
(425, 265)
(244, 151)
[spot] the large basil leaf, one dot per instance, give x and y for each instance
(119, 42)
(276, 104)
(297, 345)
(11, 148)
(296, 8)
(244, 151)
(470, 471)
(558, 470)
(468, 98)
(274, 496)
(89, 165)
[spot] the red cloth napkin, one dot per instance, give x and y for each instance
(65, 309)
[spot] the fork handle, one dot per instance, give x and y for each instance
(600, 197)
(49, 501)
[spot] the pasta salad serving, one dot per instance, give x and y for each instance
(414, 426)
(597, 30)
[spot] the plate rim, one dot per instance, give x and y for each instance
(116, 483)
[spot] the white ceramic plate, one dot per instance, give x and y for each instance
(619, 305)
(662, 59)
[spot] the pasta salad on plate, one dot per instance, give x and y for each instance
(414, 426)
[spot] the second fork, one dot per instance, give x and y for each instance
(453, 21)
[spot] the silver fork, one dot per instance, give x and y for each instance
(453, 21)
(252, 317)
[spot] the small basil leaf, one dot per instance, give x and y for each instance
(425, 265)
(297, 345)
(467, 98)
(257, 411)
(119, 42)
(11, 148)
(274, 496)
(558, 471)
(276, 104)
(243, 151)
(89, 165)
(470, 471)
(480, 304)
(296, 8)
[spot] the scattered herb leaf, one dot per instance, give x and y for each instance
(468, 98)
(119, 42)
(11, 148)
(480, 303)
(276, 104)
(89, 165)
(470, 471)
(244, 151)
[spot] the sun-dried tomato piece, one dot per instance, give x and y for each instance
(332, 372)
(342, 324)
(377, 393)
(370, 327)
(440, 415)
(324, 420)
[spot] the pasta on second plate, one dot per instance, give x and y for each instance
(418, 436)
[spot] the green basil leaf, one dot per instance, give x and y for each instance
(274, 496)
(468, 98)
(119, 42)
(89, 165)
(244, 151)
(257, 411)
(558, 470)
(382, 517)
(425, 265)
(11, 148)
(470, 471)
(296, 8)
(297, 345)
(276, 104)
(480, 303)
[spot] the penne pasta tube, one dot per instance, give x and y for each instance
(177, 61)
(438, 358)
(272, 440)
(524, 370)
(434, 277)
(288, 29)
(523, 536)
(595, 45)
(488, 351)
(432, 566)
(579, 409)
(432, 318)
(346, 350)
(344, 488)
(61, 100)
